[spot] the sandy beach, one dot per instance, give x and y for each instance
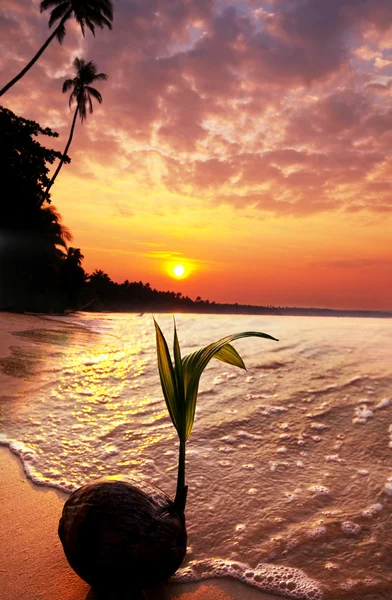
(32, 563)
(33, 566)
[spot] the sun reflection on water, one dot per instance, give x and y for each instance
(93, 413)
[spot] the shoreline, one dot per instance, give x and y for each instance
(33, 566)
(230, 309)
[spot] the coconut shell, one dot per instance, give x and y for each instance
(122, 535)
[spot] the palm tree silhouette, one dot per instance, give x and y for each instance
(75, 256)
(88, 13)
(86, 73)
(50, 230)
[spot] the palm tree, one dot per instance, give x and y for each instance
(88, 13)
(50, 230)
(82, 92)
(74, 256)
(72, 279)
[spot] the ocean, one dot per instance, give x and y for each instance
(288, 464)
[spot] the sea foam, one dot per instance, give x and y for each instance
(285, 581)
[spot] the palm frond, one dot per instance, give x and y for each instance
(45, 4)
(94, 93)
(67, 85)
(78, 64)
(100, 15)
(107, 22)
(87, 13)
(58, 12)
(101, 77)
(81, 23)
(179, 380)
(180, 386)
(228, 354)
(195, 363)
(72, 98)
(90, 25)
(105, 7)
(82, 111)
(167, 377)
(60, 33)
(87, 71)
(184, 380)
(59, 234)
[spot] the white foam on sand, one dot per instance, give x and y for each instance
(350, 528)
(388, 487)
(362, 414)
(285, 581)
(29, 458)
(320, 490)
(372, 510)
(384, 403)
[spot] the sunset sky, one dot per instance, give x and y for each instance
(249, 141)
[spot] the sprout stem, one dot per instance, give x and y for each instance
(182, 489)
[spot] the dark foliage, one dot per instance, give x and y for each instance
(105, 294)
(88, 13)
(23, 162)
(72, 279)
(32, 239)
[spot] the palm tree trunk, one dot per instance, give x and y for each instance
(35, 58)
(51, 182)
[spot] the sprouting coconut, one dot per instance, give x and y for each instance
(123, 535)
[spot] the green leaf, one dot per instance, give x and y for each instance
(195, 363)
(180, 385)
(229, 355)
(180, 389)
(168, 378)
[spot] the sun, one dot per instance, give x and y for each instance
(179, 270)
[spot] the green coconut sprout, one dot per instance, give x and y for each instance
(180, 384)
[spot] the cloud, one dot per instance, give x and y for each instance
(357, 263)
(380, 88)
(123, 210)
(282, 105)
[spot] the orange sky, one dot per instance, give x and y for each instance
(249, 140)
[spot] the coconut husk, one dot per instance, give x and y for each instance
(122, 535)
